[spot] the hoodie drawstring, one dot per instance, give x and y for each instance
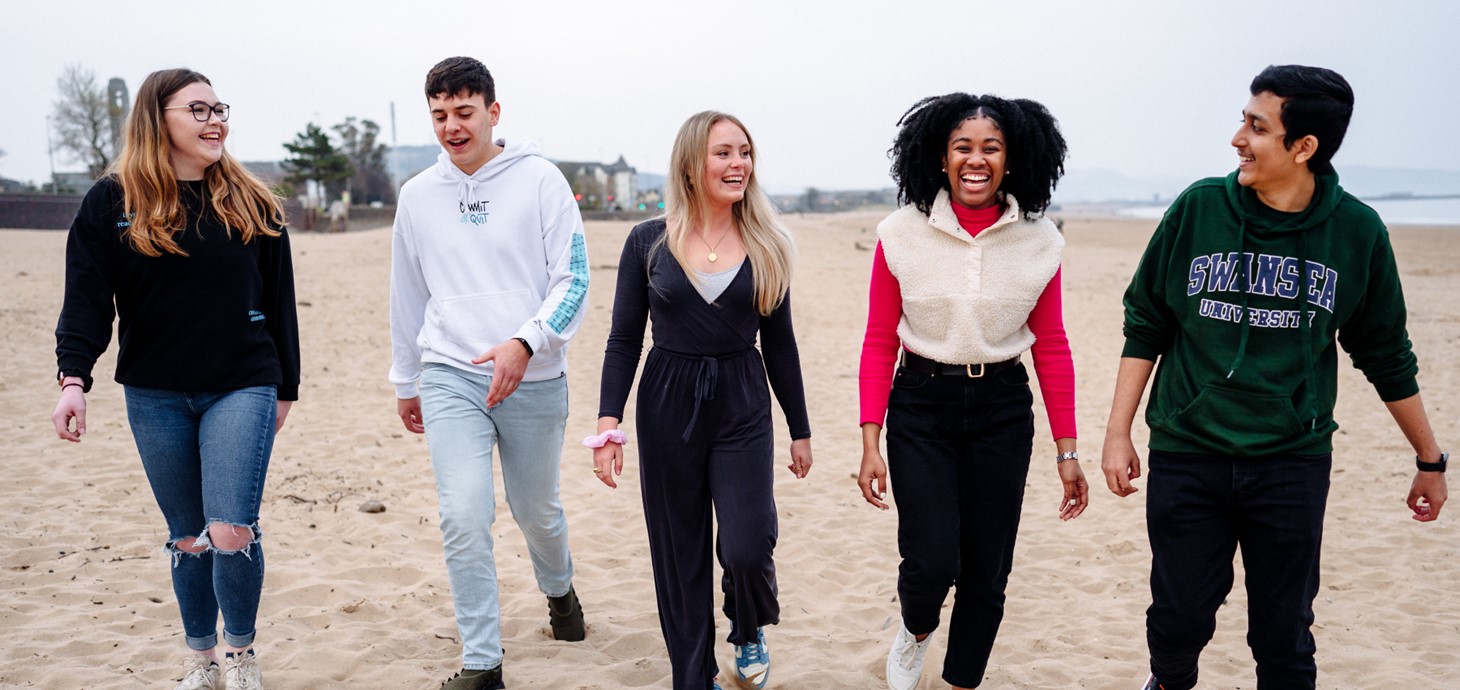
(1245, 285)
(1307, 330)
(466, 193)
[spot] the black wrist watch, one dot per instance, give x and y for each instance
(1433, 466)
(525, 346)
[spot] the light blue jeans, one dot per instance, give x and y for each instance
(528, 429)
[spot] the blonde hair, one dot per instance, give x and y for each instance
(150, 185)
(768, 244)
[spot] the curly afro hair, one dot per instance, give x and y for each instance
(1035, 154)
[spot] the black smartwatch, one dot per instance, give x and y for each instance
(525, 346)
(1433, 466)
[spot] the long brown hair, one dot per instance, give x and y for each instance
(150, 186)
(767, 243)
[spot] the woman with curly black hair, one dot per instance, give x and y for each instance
(966, 277)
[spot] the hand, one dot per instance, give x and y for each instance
(800, 457)
(509, 363)
(282, 414)
(409, 410)
(1077, 490)
(72, 405)
(873, 478)
(1427, 495)
(1120, 464)
(608, 462)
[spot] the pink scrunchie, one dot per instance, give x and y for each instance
(599, 440)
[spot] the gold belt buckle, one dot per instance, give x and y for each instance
(968, 368)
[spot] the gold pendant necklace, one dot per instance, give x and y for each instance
(713, 257)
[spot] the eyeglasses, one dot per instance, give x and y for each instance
(202, 110)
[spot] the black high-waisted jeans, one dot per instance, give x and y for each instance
(958, 453)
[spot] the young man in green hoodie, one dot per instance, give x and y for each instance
(1247, 289)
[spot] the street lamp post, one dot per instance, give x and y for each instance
(51, 153)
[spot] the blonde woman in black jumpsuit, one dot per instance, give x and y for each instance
(713, 273)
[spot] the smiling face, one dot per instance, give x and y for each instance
(975, 162)
(193, 145)
(464, 127)
(728, 165)
(1264, 163)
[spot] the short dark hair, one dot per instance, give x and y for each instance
(1035, 158)
(455, 75)
(1316, 101)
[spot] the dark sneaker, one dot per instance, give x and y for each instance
(1151, 683)
(474, 679)
(566, 616)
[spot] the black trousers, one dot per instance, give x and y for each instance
(958, 454)
(705, 441)
(1199, 510)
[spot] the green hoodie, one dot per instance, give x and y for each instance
(1248, 367)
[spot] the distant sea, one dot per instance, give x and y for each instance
(1393, 211)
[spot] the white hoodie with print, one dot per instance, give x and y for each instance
(479, 259)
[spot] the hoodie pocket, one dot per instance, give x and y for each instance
(1245, 422)
(482, 321)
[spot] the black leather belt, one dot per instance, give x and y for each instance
(923, 365)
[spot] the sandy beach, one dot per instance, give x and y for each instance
(361, 601)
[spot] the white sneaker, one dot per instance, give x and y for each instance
(905, 659)
(199, 673)
(241, 672)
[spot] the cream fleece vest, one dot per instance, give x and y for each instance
(966, 300)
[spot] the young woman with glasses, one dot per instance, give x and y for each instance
(192, 251)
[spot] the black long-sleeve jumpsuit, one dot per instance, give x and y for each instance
(705, 439)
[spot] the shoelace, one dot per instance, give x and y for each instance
(196, 672)
(753, 653)
(906, 660)
(241, 672)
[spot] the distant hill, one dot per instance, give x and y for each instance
(648, 181)
(1362, 181)
(1097, 185)
(1101, 185)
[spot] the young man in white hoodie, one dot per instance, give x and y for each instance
(489, 279)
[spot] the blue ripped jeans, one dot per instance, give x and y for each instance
(206, 455)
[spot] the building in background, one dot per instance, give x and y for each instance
(599, 187)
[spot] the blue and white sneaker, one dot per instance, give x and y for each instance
(753, 661)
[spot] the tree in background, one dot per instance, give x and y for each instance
(83, 120)
(811, 200)
(360, 143)
(312, 158)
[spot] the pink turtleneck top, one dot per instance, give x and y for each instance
(1053, 364)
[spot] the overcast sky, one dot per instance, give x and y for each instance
(1143, 88)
